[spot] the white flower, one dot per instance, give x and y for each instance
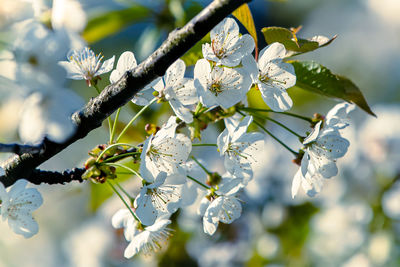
(165, 151)
(191, 190)
(273, 76)
(37, 51)
(222, 206)
(338, 116)
(179, 91)
(239, 147)
(49, 115)
(85, 65)
(69, 15)
(220, 86)
(127, 62)
(155, 198)
(123, 218)
(147, 239)
(17, 205)
(323, 147)
(227, 46)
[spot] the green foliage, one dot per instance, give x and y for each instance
(112, 22)
(243, 14)
(289, 39)
(316, 78)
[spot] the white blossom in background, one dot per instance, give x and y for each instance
(68, 15)
(166, 151)
(273, 76)
(145, 239)
(219, 85)
(239, 147)
(227, 47)
(123, 218)
(322, 148)
(391, 202)
(49, 114)
(17, 205)
(36, 70)
(223, 206)
(178, 90)
(86, 65)
(380, 139)
(157, 198)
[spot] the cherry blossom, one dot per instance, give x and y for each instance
(146, 239)
(273, 76)
(17, 205)
(85, 65)
(238, 147)
(165, 151)
(157, 197)
(179, 91)
(220, 85)
(227, 46)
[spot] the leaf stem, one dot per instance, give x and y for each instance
(121, 156)
(134, 118)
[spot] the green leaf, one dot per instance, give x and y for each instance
(112, 22)
(243, 14)
(294, 45)
(316, 78)
(195, 53)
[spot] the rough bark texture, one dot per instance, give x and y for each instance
(116, 95)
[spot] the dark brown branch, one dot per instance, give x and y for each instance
(20, 149)
(116, 95)
(52, 177)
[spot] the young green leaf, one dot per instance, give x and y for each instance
(316, 78)
(112, 22)
(292, 43)
(243, 14)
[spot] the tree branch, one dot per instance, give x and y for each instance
(53, 177)
(20, 149)
(116, 95)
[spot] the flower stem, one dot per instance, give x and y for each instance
(114, 126)
(134, 118)
(273, 136)
(276, 122)
(198, 182)
(111, 146)
(284, 113)
(131, 199)
(123, 200)
(204, 145)
(121, 156)
(124, 167)
(108, 118)
(201, 166)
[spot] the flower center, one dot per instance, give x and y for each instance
(215, 88)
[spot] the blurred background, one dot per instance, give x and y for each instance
(354, 221)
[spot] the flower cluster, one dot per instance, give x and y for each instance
(171, 176)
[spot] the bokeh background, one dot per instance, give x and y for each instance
(355, 221)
